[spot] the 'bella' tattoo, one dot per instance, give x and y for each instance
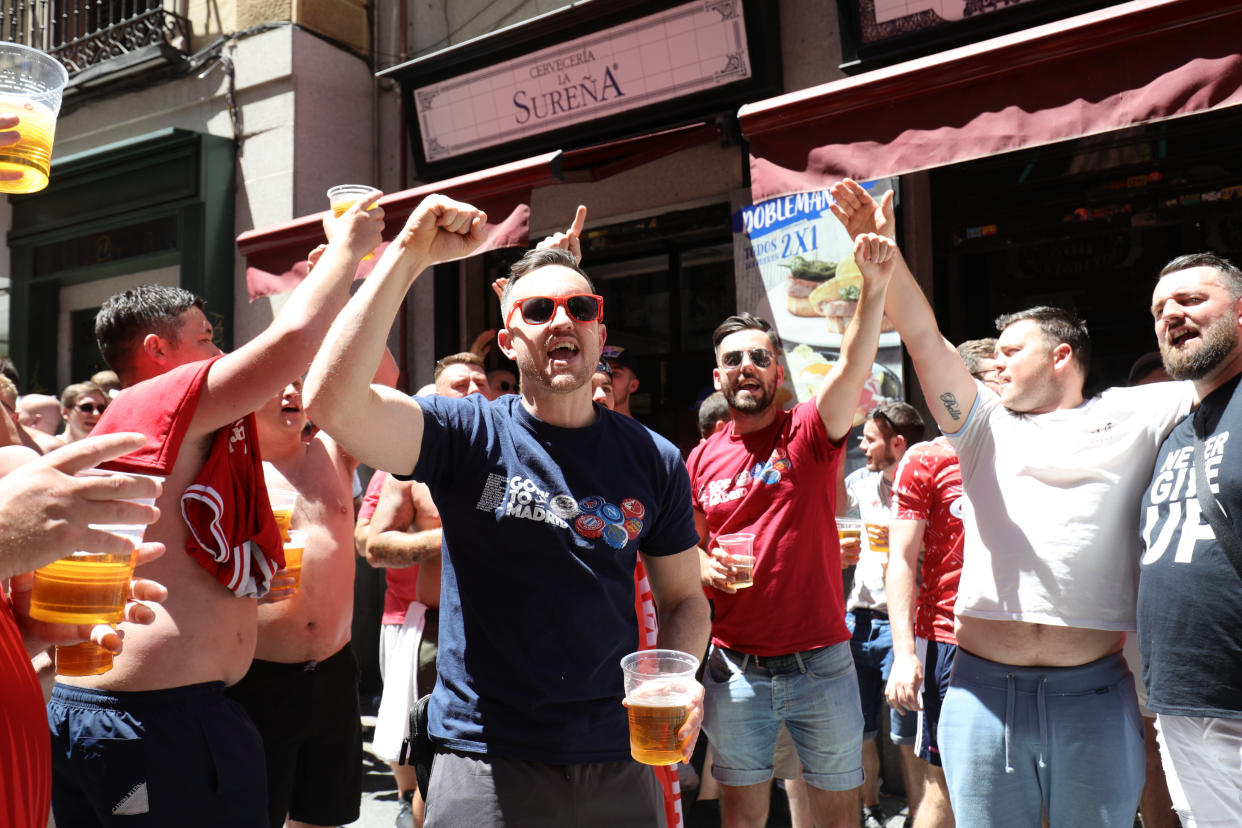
(950, 405)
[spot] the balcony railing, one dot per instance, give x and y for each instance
(85, 33)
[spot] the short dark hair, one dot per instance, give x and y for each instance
(463, 358)
(974, 351)
(1057, 325)
(1232, 276)
(898, 419)
(745, 322)
(127, 317)
(714, 409)
(533, 260)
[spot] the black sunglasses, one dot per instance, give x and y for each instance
(90, 408)
(759, 357)
(581, 307)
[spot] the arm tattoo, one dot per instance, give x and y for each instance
(950, 405)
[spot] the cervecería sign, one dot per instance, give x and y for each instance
(676, 52)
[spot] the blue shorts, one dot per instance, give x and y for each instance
(814, 693)
(1020, 740)
(937, 659)
(187, 756)
(871, 643)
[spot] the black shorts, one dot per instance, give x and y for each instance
(186, 756)
(312, 736)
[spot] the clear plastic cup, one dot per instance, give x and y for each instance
(31, 83)
(343, 196)
(659, 686)
(849, 529)
(740, 549)
(88, 587)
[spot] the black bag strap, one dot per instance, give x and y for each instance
(1226, 536)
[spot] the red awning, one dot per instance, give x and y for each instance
(1133, 63)
(276, 256)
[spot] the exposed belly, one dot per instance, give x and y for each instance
(315, 622)
(1022, 643)
(202, 632)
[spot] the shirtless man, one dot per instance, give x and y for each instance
(176, 748)
(1041, 715)
(302, 688)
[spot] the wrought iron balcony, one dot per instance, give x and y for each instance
(87, 33)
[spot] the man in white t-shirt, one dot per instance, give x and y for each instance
(888, 431)
(1040, 715)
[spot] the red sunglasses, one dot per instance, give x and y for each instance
(537, 310)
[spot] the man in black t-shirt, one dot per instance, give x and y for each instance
(1189, 609)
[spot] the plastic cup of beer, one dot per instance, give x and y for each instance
(88, 587)
(740, 549)
(283, 501)
(31, 84)
(84, 659)
(849, 529)
(877, 537)
(659, 686)
(343, 196)
(286, 580)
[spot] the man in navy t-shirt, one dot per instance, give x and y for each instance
(1189, 613)
(545, 499)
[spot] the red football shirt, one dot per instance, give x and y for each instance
(928, 486)
(780, 485)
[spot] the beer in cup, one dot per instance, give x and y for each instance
(659, 686)
(877, 538)
(88, 587)
(31, 83)
(285, 582)
(343, 196)
(84, 659)
(740, 551)
(849, 528)
(283, 501)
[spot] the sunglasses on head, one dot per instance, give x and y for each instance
(90, 408)
(581, 307)
(759, 357)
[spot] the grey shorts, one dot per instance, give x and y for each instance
(480, 790)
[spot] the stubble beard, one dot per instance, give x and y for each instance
(562, 383)
(1216, 342)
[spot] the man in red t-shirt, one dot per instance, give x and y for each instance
(927, 508)
(780, 648)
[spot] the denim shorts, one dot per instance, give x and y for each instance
(871, 644)
(1020, 740)
(815, 694)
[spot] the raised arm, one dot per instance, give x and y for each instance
(838, 394)
(243, 380)
(948, 387)
(377, 425)
(905, 539)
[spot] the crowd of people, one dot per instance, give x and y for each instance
(533, 533)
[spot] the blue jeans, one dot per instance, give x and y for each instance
(1018, 740)
(871, 643)
(814, 693)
